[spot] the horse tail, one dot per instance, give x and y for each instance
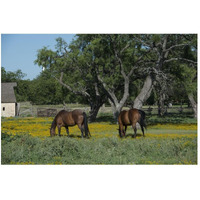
(53, 126)
(87, 132)
(142, 118)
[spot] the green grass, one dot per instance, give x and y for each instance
(105, 147)
(25, 149)
(172, 119)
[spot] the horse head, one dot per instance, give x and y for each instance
(52, 132)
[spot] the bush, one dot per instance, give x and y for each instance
(25, 149)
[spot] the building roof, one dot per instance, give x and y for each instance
(7, 93)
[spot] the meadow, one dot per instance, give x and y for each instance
(27, 141)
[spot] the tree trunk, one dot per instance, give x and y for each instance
(114, 102)
(94, 109)
(161, 105)
(144, 93)
(193, 103)
(116, 110)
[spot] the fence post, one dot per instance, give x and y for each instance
(149, 110)
(181, 110)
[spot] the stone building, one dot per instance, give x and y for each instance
(8, 100)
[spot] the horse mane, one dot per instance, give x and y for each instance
(53, 124)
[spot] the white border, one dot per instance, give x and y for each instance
(99, 182)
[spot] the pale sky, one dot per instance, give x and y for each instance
(18, 51)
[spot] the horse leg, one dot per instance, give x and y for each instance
(142, 130)
(82, 130)
(125, 130)
(121, 130)
(87, 134)
(59, 130)
(135, 130)
(67, 130)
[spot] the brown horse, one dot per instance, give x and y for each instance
(66, 119)
(130, 118)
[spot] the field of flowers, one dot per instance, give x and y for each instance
(40, 127)
(163, 144)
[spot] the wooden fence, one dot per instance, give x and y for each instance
(169, 110)
(42, 112)
(47, 111)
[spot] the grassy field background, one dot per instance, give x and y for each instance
(169, 140)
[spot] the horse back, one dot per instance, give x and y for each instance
(77, 116)
(64, 118)
(134, 115)
(71, 118)
(124, 118)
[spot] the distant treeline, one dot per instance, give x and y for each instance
(45, 90)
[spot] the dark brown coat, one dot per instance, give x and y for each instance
(66, 119)
(130, 118)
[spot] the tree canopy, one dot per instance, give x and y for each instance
(116, 69)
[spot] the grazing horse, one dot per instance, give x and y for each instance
(130, 118)
(66, 119)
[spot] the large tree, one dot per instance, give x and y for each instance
(72, 67)
(185, 73)
(165, 49)
(117, 59)
(105, 66)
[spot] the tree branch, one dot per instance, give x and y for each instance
(126, 47)
(174, 46)
(184, 59)
(79, 92)
(106, 88)
(144, 43)
(165, 43)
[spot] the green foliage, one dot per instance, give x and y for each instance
(184, 80)
(11, 76)
(25, 149)
(89, 55)
(22, 91)
(156, 38)
(45, 57)
(46, 90)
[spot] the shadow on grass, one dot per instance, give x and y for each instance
(171, 119)
(132, 134)
(71, 136)
(105, 118)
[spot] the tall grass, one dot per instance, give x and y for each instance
(169, 140)
(26, 149)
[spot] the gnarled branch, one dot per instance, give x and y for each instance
(184, 59)
(81, 91)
